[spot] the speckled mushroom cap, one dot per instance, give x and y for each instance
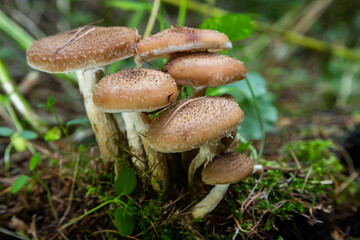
(205, 69)
(181, 39)
(229, 168)
(193, 122)
(137, 89)
(81, 48)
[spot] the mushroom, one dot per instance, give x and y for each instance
(195, 123)
(135, 91)
(204, 69)
(180, 39)
(229, 168)
(86, 50)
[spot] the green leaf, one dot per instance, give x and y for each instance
(50, 101)
(129, 5)
(18, 142)
(41, 105)
(6, 132)
(19, 183)
(78, 121)
(53, 134)
(28, 135)
(34, 161)
(250, 127)
(125, 182)
(235, 26)
(125, 223)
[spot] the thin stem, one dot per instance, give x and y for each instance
(92, 210)
(64, 130)
(262, 143)
(48, 194)
(7, 159)
(151, 21)
(13, 117)
(182, 13)
(161, 17)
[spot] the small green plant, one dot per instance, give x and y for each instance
(124, 215)
(19, 140)
(55, 132)
(22, 180)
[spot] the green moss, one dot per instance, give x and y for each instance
(284, 189)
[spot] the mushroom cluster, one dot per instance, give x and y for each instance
(209, 124)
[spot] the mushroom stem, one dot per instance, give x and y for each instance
(103, 124)
(258, 169)
(206, 154)
(135, 143)
(199, 91)
(211, 200)
(157, 161)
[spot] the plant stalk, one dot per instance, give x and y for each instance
(261, 122)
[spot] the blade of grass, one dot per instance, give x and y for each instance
(153, 15)
(182, 13)
(19, 101)
(15, 31)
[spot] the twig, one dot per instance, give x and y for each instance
(307, 178)
(251, 193)
(62, 234)
(72, 189)
(347, 182)
(9, 233)
(33, 227)
(296, 160)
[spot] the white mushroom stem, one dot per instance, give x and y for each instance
(199, 91)
(134, 142)
(258, 169)
(103, 124)
(156, 160)
(210, 201)
(206, 154)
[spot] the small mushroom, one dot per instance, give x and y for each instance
(195, 123)
(180, 39)
(229, 168)
(205, 69)
(131, 92)
(86, 50)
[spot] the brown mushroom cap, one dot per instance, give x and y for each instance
(181, 39)
(81, 48)
(205, 69)
(132, 90)
(229, 168)
(193, 122)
